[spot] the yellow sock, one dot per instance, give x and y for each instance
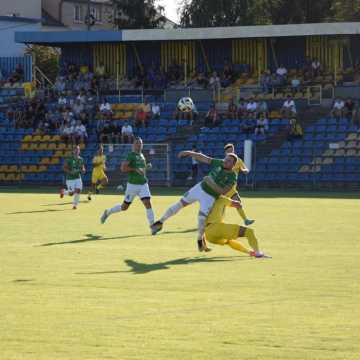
(242, 213)
(99, 187)
(236, 245)
(250, 235)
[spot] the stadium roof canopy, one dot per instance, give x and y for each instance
(231, 32)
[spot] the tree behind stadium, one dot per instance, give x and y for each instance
(137, 14)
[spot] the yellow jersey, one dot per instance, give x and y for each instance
(99, 162)
(217, 213)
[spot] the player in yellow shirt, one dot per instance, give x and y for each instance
(220, 233)
(98, 177)
(233, 193)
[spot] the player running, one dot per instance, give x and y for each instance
(137, 185)
(73, 168)
(220, 180)
(98, 177)
(219, 233)
(233, 193)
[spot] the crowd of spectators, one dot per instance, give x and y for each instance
(12, 80)
(347, 109)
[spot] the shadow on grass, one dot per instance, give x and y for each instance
(143, 268)
(66, 203)
(92, 237)
(37, 211)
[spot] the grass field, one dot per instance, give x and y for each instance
(74, 289)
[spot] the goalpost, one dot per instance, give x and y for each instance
(156, 154)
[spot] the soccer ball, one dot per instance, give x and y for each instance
(120, 188)
(185, 104)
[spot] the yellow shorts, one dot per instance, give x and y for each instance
(231, 192)
(220, 233)
(97, 175)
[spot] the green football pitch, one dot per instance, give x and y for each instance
(74, 289)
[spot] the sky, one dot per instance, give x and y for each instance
(171, 11)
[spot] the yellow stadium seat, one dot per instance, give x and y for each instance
(24, 168)
(327, 161)
(352, 136)
(351, 145)
(82, 146)
(13, 168)
(304, 168)
(27, 138)
(42, 168)
(37, 138)
(46, 138)
(351, 152)
(3, 168)
(32, 168)
(25, 146)
(43, 146)
(45, 161)
(339, 152)
(55, 161)
(33, 146)
(329, 152)
(10, 177)
(61, 146)
(51, 146)
(2, 177)
(55, 138)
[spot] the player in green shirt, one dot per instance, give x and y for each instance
(73, 168)
(135, 166)
(219, 181)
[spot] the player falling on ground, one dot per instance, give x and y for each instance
(219, 233)
(73, 168)
(137, 185)
(233, 193)
(98, 177)
(220, 180)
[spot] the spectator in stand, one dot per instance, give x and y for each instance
(140, 118)
(18, 75)
(228, 75)
(288, 109)
(262, 108)
(212, 118)
(100, 70)
(127, 134)
(350, 109)
(338, 108)
(296, 83)
(60, 84)
(242, 108)
(155, 111)
(105, 109)
(84, 118)
(62, 101)
(105, 133)
(295, 130)
(77, 107)
(247, 126)
(66, 132)
(315, 68)
(214, 81)
(232, 110)
(251, 108)
(281, 72)
(262, 125)
(146, 107)
(265, 82)
(82, 97)
(80, 133)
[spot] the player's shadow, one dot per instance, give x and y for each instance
(178, 231)
(66, 203)
(37, 211)
(143, 268)
(90, 237)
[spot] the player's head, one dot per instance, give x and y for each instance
(137, 144)
(76, 150)
(229, 148)
(230, 161)
(101, 149)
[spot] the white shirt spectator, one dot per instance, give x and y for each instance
(251, 106)
(289, 103)
(315, 64)
(80, 130)
(281, 71)
(81, 98)
(105, 107)
(127, 130)
(263, 123)
(155, 109)
(67, 130)
(338, 104)
(214, 80)
(62, 100)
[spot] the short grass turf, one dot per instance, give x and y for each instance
(74, 289)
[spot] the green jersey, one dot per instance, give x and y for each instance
(137, 161)
(75, 166)
(221, 177)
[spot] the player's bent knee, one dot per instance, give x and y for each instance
(125, 205)
(242, 231)
(183, 202)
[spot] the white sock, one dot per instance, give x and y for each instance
(66, 192)
(171, 211)
(76, 199)
(201, 225)
(150, 216)
(115, 209)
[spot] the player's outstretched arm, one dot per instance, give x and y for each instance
(195, 155)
